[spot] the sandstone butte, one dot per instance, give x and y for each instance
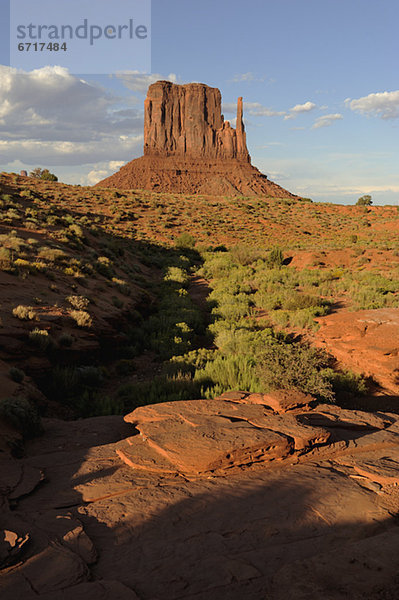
(246, 496)
(189, 147)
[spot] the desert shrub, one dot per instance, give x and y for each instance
(78, 389)
(125, 367)
(25, 313)
(231, 307)
(38, 266)
(348, 382)
(98, 405)
(275, 257)
(364, 200)
(44, 174)
(16, 374)
(163, 388)
(185, 240)
(176, 275)
(245, 255)
(27, 194)
(244, 341)
(53, 220)
(305, 318)
(78, 302)
(22, 415)
(190, 361)
(235, 372)
(295, 366)
(12, 242)
(65, 340)
(76, 230)
(104, 267)
(51, 254)
(13, 214)
(90, 376)
(5, 260)
(82, 318)
(23, 265)
(117, 302)
(41, 339)
(301, 301)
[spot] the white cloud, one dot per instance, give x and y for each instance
(301, 108)
(95, 176)
(258, 110)
(114, 165)
(381, 104)
(139, 82)
(50, 153)
(326, 120)
(50, 117)
(101, 171)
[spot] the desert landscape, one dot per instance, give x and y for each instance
(200, 378)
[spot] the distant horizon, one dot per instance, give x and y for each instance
(321, 98)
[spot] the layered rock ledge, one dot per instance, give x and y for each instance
(245, 496)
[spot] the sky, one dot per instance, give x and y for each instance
(319, 80)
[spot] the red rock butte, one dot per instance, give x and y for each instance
(190, 148)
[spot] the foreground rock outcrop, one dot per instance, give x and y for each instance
(245, 496)
(190, 148)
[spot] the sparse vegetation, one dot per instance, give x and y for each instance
(22, 415)
(44, 174)
(25, 313)
(364, 201)
(275, 267)
(82, 318)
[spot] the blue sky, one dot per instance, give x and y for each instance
(319, 81)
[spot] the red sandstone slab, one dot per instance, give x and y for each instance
(218, 443)
(138, 454)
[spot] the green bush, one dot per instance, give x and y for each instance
(125, 367)
(347, 382)
(16, 374)
(176, 275)
(295, 366)
(22, 415)
(245, 255)
(65, 340)
(82, 318)
(41, 339)
(185, 240)
(5, 260)
(364, 201)
(44, 174)
(25, 313)
(78, 302)
(233, 372)
(163, 388)
(276, 257)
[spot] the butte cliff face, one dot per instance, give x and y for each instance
(186, 121)
(190, 148)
